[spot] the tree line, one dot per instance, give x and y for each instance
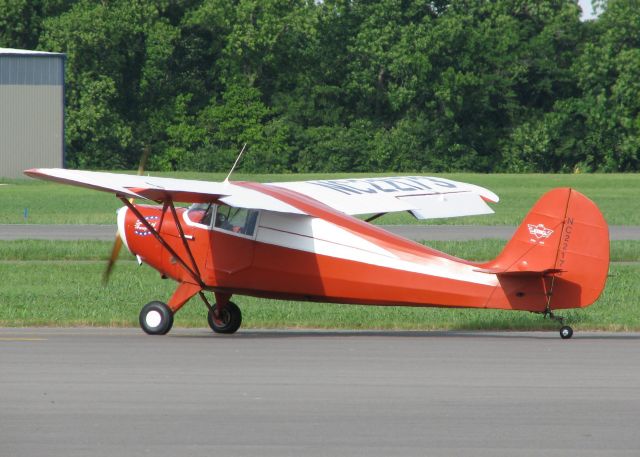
(343, 85)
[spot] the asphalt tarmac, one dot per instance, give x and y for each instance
(103, 392)
(415, 232)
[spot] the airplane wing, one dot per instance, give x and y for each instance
(161, 189)
(425, 197)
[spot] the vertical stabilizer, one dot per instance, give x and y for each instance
(564, 239)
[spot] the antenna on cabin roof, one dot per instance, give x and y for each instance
(235, 163)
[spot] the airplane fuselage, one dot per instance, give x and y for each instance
(301, 257)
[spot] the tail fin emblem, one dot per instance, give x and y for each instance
(540, 232)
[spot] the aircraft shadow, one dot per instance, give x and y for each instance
(534, 335)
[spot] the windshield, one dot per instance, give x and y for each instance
(200, 213)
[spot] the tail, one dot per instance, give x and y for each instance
(565, 241)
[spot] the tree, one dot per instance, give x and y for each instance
(607, 75)
(343, 85)
(21, 21)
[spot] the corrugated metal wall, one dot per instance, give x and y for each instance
(31, 113)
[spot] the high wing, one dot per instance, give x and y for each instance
(425, 197)
(163, 189)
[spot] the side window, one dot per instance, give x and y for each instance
(236, 220)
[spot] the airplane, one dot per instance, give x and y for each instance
(302, 241)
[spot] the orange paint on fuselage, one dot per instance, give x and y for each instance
(280, 272)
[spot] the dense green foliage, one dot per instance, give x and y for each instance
(339, 85)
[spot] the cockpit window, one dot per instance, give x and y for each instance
(200, 213)
(236, 220)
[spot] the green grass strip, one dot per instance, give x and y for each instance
(69, 293)
(58, 250)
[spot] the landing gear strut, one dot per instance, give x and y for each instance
(566, 332)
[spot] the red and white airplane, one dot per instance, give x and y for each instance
(300, 241)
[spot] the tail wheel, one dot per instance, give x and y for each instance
(227, 320)
(156, 318)
(566, 332)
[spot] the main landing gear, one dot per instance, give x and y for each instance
(226, 320)
(156, 318)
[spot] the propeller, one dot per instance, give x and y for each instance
(117, 243)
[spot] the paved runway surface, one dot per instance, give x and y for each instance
(415, 232)
(102, 392)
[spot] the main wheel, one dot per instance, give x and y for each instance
(227, 321)
(566, 332)
(156, 318)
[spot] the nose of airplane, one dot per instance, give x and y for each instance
(122, 217)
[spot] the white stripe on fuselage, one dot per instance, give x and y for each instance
(318, 236)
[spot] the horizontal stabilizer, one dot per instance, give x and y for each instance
(539, 273)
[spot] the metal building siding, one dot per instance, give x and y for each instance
(31, 70)
(31, 112)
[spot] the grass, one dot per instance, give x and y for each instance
(62, 293)
(58, 283)
(50, 203)
(57, 250)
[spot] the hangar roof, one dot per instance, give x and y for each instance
(26, 52)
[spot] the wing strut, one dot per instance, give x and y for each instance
(193, 272)
(184, 241)
(374, 217)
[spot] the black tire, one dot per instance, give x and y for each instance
(229, 321)
(566, 332)
(156, 318)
